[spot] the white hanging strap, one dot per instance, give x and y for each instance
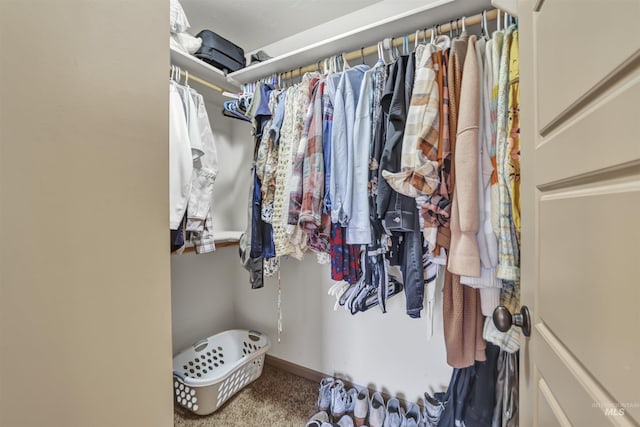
(498, 27)
(484, 24)
(279, 307)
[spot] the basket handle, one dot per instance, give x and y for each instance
(201, 345)
(255, 335)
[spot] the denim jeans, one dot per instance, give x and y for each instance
(410, 250)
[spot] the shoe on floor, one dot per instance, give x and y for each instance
(352, 395)
(345, 421)
(324, 395)
(340, 400)
(413, 417)
(318, 419)
(361, 407)
(377, 411)
(433, 410)
(395, 414)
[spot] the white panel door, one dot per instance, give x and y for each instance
(580, 81)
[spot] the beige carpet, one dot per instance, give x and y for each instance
(276, 399)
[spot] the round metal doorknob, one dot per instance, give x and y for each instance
(503, 319)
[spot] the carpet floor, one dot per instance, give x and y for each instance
(276, 399)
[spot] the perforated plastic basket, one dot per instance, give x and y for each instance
(215, 368)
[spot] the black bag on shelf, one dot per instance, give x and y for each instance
(220, 52)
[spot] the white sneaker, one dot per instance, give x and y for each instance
(318, 419)
(377, 411)
(413, 417)
(395, 414)
(361, 408)
(340, 400)
(345, 421)
(324, 395)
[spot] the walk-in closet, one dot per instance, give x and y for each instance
(319, 213)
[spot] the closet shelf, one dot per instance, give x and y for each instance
(222, 239)
(437, 12)
(203, 71)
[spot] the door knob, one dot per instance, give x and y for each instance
(503, 319)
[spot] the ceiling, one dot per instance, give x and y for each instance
(252, 24)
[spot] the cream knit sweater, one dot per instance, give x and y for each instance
(464, 255)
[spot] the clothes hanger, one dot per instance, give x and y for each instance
(464, 27)
(450, 29)
(345, 64)
(388, 45)
(498, 21)
(483, 25)
(416, 40)
(405, 45)
(362, 55)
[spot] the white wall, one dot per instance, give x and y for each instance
(85, 316)
(203, 295)
(235, 153)
(388, 352)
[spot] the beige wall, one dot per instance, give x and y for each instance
(85, 327)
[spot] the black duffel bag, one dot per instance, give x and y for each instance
(220, 52)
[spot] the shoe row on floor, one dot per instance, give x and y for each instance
(355, 407)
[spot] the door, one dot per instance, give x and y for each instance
(580, 71)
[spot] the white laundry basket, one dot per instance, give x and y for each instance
(214, 369)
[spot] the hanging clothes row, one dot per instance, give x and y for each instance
(410, 164)
(404, 176)
(193, 167)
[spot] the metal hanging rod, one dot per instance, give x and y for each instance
(396, 42)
